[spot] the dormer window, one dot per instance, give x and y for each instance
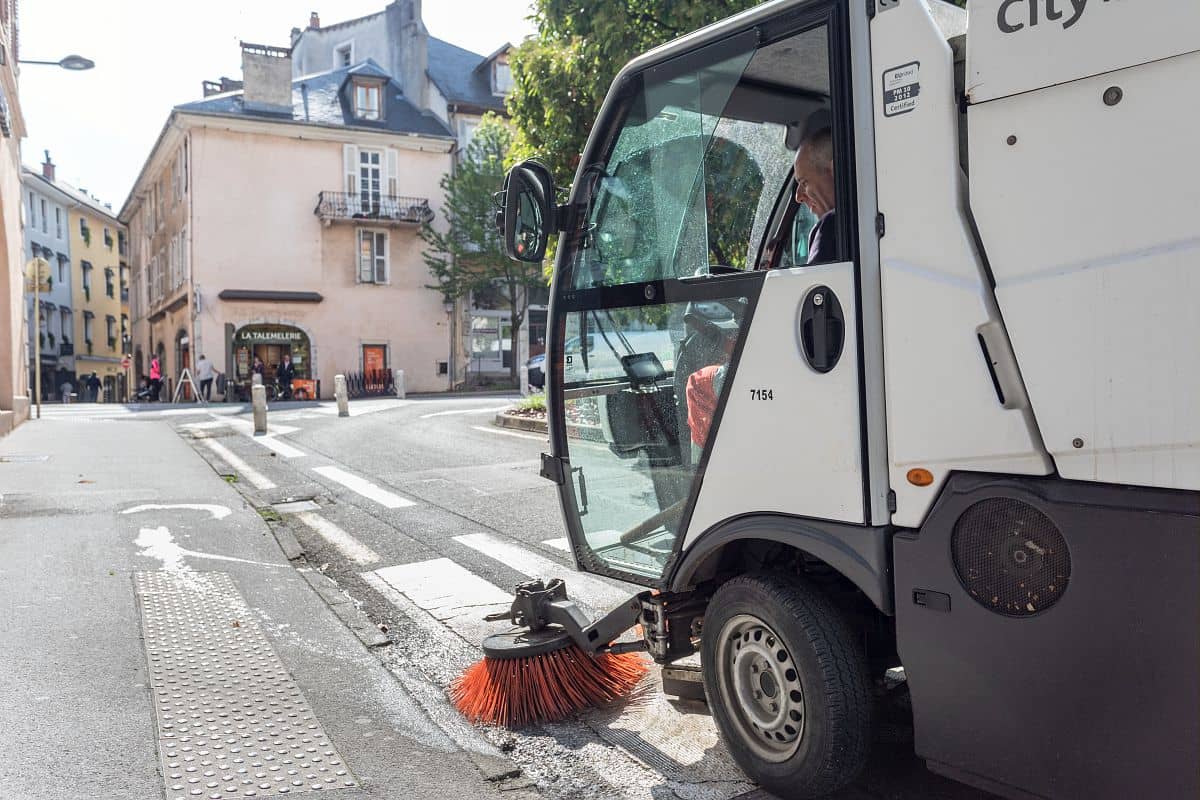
(366, 101)
(502, 82)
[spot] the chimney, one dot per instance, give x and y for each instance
(48, 168)
(314, 21)
(411, 58)
(267, 78)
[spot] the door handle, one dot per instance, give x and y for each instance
(821, 328)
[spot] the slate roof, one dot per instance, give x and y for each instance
(318, 100)
(453, 70)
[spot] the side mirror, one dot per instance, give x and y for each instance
(528, 211)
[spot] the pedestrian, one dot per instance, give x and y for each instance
(93, 383)
(66, 390)
(285, 375)
(155, 379)
(206, 373)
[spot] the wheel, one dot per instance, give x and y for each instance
(787, 683)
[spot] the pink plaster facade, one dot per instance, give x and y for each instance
(239, 205)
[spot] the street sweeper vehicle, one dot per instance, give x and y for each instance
(931, 398)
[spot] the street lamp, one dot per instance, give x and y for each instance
(73, 62)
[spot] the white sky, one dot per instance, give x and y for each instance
(99, 125)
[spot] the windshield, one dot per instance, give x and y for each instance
(683, 188)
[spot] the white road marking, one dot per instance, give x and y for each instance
(282, 448)
(364, 487)
(503, 432)
(584, 589)
(559, 544)
(158, 543)
(488, 410)
(218, 512)
(255, 477)
(216, 423)
(449, 592)
(350, 547)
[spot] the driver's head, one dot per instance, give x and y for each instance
(813, 169)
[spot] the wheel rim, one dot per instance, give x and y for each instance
(760, 685)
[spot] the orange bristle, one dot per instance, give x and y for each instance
(514, 692)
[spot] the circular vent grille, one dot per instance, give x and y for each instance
(1010, 557)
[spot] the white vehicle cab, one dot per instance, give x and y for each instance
(954, 429)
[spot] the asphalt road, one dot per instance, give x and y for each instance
(409, 519)
(480, 516)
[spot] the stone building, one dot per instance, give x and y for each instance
(14, 360)
(281, 216)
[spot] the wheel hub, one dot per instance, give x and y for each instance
(758, 675)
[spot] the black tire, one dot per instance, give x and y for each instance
(829, 743)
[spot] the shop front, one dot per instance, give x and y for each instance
(269, 343)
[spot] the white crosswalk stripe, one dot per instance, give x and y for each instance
(595, 593)
(450, 593)
(350, 547)
(502, 432)
(558, 544)
(364, 487)
(243, 469)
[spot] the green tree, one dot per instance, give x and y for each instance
(560, 76)
(466, 254)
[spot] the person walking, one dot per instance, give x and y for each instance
(155, 379)
(206, 373)
(285, 375)
(66, 390)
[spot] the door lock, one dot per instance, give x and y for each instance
(821, 328)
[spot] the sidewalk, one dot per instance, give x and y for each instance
(245, 653)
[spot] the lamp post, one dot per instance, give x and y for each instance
(73, 62)
(37, 280)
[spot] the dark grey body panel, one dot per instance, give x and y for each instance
(1097, 696)
(858, 552)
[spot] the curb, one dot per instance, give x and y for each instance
(505, 420)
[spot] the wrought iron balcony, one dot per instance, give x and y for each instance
(382, 209)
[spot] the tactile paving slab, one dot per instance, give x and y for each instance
(231, 721)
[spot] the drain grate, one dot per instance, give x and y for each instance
(231, 721)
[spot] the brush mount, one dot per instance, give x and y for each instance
(550, 621)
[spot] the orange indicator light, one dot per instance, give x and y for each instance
(920, 477)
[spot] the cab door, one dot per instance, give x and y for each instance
(684, 376)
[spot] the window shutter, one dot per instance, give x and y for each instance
(350, 159)
(393, 172)
(365, 256)
(381, 257)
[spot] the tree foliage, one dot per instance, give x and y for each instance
(560, 76)
(466, 254)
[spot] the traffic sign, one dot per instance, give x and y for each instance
(125, 362)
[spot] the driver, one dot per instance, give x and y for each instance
(813, 169)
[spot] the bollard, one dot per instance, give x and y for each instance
(339, 394)
(258, 398)
(400, 384)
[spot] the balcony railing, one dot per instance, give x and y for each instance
(380, 209)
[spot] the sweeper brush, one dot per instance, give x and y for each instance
(554, 664)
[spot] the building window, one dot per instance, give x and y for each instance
(32, 212)
(343, 56)
(44, 215)
(86, 268)
(63, 265)
(67, 333)
(87, 329)
(108, 239)
(110, 324)
(366, 101)
(58, 228)
(502, 82)
(466, 133)
(372, 256)
(108, 282)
